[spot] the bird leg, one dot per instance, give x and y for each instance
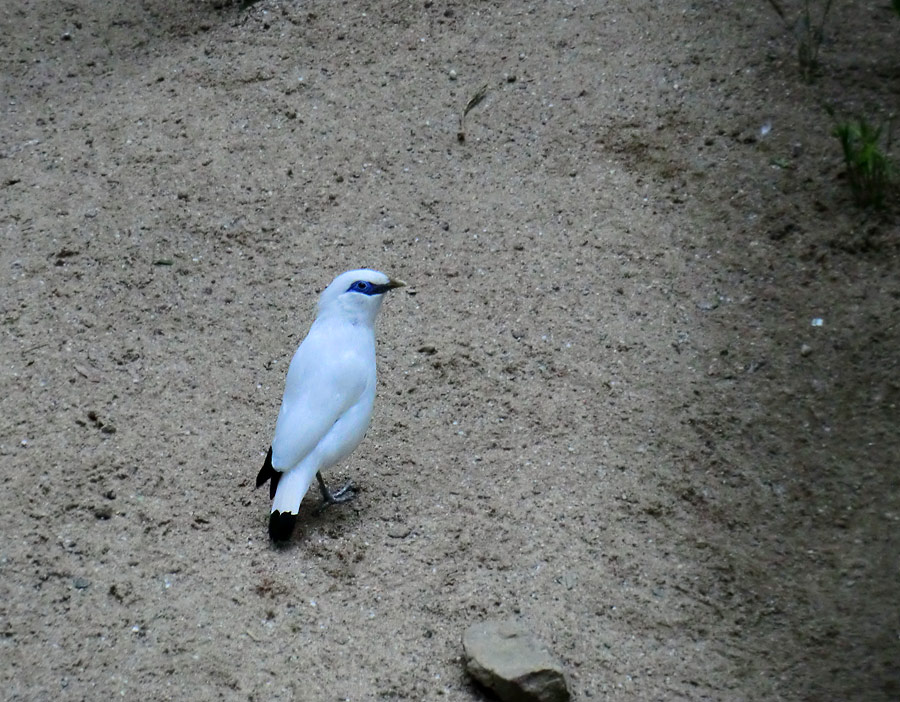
(345, 494)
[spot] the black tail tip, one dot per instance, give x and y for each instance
(281, 525)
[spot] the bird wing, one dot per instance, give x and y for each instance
(321, 386)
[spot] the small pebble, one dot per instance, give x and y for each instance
(399, 531)
(805, 350)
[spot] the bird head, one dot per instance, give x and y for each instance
(356, 295)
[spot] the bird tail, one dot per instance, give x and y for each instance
(288, 494)
(281, 525)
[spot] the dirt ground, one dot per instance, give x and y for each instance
(604, 407)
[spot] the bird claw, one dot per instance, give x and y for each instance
(345, 494)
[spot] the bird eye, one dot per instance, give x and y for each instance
(361, 285)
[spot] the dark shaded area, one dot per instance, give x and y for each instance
(798, 481)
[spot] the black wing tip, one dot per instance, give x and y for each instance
(268, 472)
(281, 525)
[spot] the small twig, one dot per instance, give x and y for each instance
(473, 101)
(87, 372)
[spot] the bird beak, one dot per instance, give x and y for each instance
(394, 284)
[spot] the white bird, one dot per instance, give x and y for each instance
(328, 396)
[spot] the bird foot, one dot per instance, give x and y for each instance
(345, 494)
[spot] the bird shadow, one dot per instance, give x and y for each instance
(316, 519)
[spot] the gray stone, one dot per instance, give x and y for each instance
(507, 659)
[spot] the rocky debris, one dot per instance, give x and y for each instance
(507, 659)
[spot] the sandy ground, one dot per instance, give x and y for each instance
(603, 406)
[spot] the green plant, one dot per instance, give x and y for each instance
(808, 32)
(866, 149)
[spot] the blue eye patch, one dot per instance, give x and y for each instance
(367, 288)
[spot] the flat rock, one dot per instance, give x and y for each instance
(507, 659)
